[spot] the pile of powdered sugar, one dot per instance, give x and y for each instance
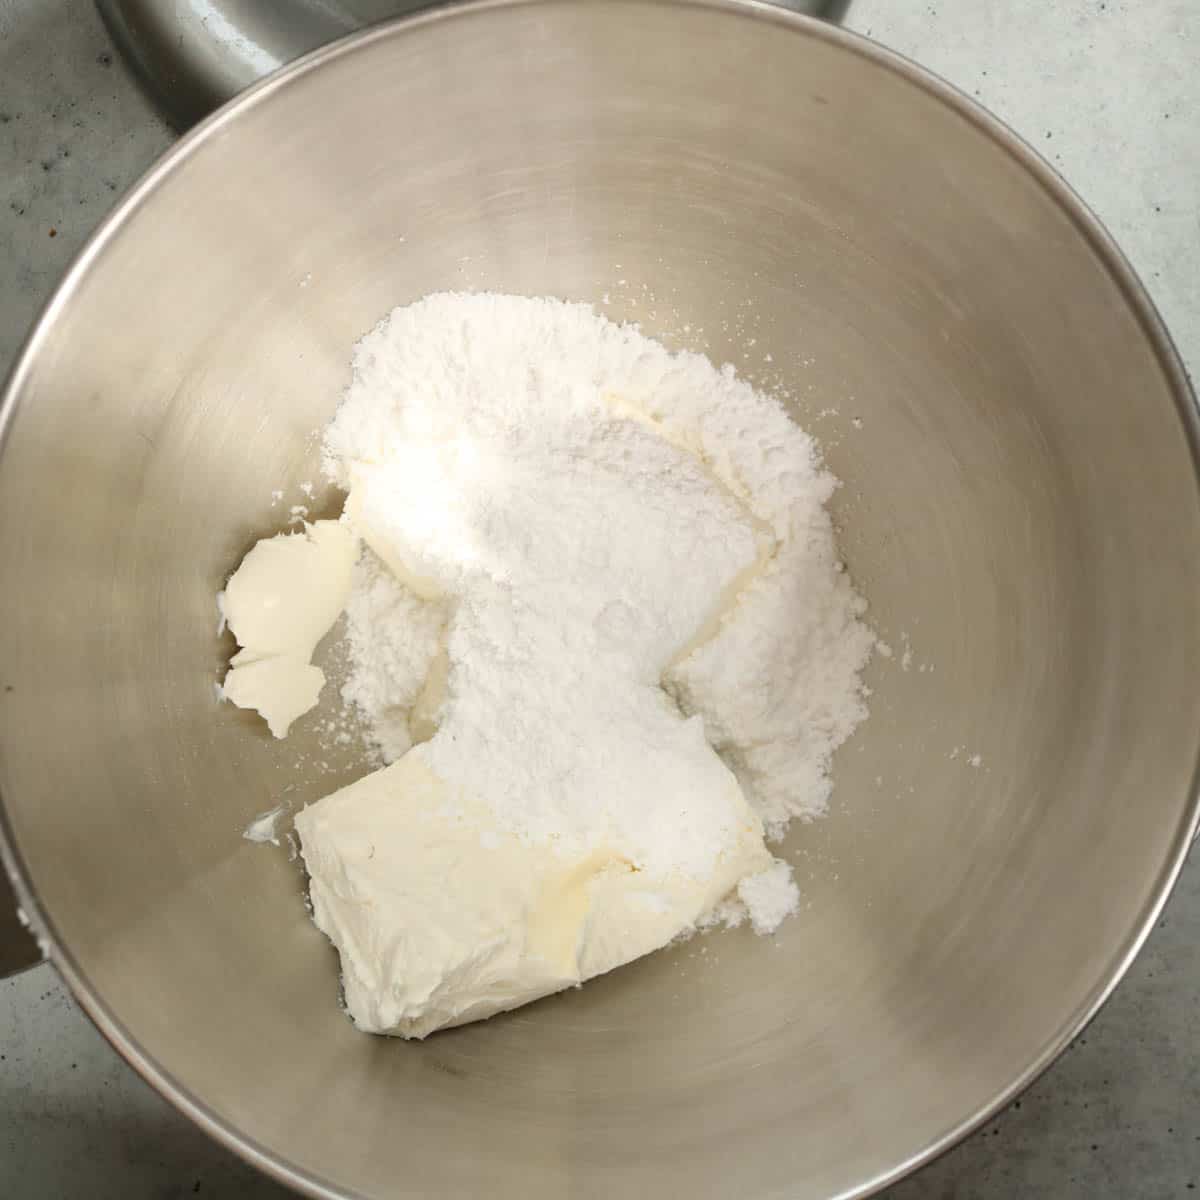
(590, 556)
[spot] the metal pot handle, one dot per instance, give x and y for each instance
(192, 58)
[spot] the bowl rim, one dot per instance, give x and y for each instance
(1086, 223)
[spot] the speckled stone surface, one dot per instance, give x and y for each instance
(1108, 92)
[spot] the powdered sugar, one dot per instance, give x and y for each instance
(391, 636)
(769, 896)
(596, 527)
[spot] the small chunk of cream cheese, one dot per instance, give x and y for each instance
(281, 601)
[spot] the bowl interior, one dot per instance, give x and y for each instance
(1019, 506)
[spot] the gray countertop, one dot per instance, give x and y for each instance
(1110, 94)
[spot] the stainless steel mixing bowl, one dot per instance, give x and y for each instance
(1017, 442)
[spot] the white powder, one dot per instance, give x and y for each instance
(392, 636)
(769, 896)
(628, 556)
